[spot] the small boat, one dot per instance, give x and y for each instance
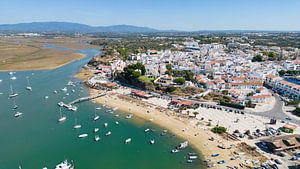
(115, 108)
(67, 94)
(64, 89)
(152, 141)
(73, 90)
(146, 130)
(221, 162)
(175, 151)
(96, 117)
(108, 133)
(61, 104)
(117, 122)
(117, 115)
(183, 145)
(46, 97)
(62, 118)
(190, 161)
(18, 114)
(98, 108)
(193, 157)
(192, 154)
(13, 94)
(83, 135)
(0, 80)
(129, 116)
(54, 91)
(76, 126)
(96, 130)
(127, 140)
(97, 138)
(105, 124)
(28, 85)
(215, 155)
(64, 165)
(13, 78)
(15, 105)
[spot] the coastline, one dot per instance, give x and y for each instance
(187, 129)
(50, 67)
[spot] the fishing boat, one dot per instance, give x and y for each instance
(76, 126)
(64, 165)
(96, 130)
(83, 135)
(13, 94)
(127, 140)
(152, 141)
(62, 118)
(108, 133)
(97, 138)
(105, 124)
(18, 114)
(28, 84)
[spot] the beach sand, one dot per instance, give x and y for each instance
(183, 127)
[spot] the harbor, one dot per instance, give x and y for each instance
(50, 142)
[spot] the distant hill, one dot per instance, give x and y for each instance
(71, 27)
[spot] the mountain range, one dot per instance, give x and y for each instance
(72, 27)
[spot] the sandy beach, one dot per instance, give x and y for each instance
(188, 129)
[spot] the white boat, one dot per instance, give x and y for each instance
(115, 108)
(127, 140)
(18, 114)
(152, 141)
(117, 122)
(46, 97)
(146, 130)
(13, 94)
(175, 151)
(97, 138)
(64, 165)
(15, 105)
(61, 104)
(73, 90)
(54, 91)
(76, 126)
(0, 80)
(28, 85)
(183, 145)
(108, 133)
(98, 108)
(13, 78)
(117, 115)
(67, 94)
(96, 117)
(129, 116)
(83, 135)
(62, 118)
(64, 89)
(96, 130)
(105, 124)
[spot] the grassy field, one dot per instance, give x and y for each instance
(29, 54)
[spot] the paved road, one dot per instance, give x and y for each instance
(276, 112)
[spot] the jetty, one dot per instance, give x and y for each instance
(71, 106)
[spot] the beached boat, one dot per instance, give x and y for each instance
(215, 155)
(128, 140)
(129, 116)
(97, 138)
(83, 135)
(64, 165)
(183, 145)
(18, 114)
(108, 133)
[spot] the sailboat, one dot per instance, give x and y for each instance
(18, 114)
(62, 118)
(76, 126)
(96, 117)
(28, 85)
(15, 105)
(12, 93)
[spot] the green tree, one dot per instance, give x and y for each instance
(124, 53)
(179, 80)
(169, 67)
(170, 89)
(257, 58)
(219, 129)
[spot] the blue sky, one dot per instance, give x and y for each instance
(160, 14)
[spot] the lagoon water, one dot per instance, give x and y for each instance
(36, 140)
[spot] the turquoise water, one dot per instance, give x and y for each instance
(37, 140)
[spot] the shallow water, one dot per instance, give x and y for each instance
(36, 139)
